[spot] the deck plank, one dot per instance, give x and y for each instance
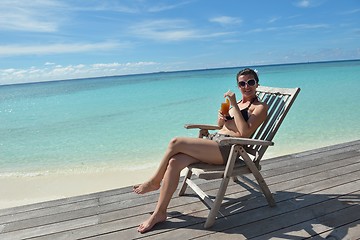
(317, 194)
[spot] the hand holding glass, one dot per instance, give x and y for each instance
(225, 107)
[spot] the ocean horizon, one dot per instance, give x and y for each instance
(185, 70)
(125, 122)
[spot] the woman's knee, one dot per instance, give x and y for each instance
(174, 164)
(179, 161)
(176, 142)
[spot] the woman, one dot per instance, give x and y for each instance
(244, 118)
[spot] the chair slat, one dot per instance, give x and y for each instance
(278, 101)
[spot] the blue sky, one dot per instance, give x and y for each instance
(44, 40)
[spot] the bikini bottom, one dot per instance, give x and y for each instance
(224, 148)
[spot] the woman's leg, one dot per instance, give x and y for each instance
(203, 150)
(170, 182)
(154, 182)
(187, 151)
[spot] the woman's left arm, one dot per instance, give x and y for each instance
(257, 117)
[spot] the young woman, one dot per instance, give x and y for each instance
(242, 120)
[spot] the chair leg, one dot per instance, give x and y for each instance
(223, 186)
(184, 183)
(266, 191)
(264, 187)
(218, 200)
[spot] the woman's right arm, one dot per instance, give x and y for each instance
(221, 119)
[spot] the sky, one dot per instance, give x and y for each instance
(44, 40)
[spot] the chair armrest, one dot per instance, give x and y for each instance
(246, 141)
(202, 126)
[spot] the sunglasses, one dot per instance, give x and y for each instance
(250, 83)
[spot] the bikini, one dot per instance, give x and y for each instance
(217, 137)
(244, 112)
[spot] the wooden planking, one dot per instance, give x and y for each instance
(32, 220)
(299, 181)
(116, 194)
(347, 231)
(334, 219)
(105, 197)
(257, 210)
(294, 215)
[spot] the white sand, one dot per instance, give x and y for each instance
(16, 191)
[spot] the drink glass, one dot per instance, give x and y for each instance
(225, 107)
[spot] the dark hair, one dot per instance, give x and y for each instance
(248, 71)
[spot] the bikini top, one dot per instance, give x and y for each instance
(244, 111)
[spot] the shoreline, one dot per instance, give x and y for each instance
(23, 190)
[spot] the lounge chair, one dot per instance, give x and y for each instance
(250, 150)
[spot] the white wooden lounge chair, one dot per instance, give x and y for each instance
(250, 150)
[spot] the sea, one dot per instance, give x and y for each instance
(125, 122)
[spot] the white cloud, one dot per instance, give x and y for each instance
(164, 30)
(51, 15)
(309, 3)
(308, 26)
(226, 20)
(171, 30)
(273, 19)
(59, 72)
(353, 11)
(165, 7)
(303, 3)
(18, 50)
(33, 16)
(130, 6)
(118, 65)
(290, 27)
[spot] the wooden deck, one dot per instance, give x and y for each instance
(317, 194)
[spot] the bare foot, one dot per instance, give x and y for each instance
(150, 223)
(145, 187)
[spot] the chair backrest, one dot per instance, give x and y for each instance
(279, 101)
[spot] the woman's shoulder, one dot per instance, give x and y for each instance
(260, 106)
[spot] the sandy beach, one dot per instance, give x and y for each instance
(17, 191)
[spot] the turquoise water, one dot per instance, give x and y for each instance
(125, 122)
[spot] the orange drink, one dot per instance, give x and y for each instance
(225, 107)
